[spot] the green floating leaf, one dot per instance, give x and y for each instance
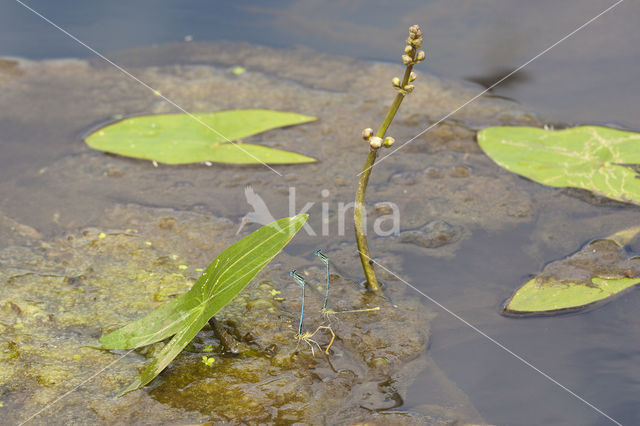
(594, 158)
(179, 139)
(220, 282)
(600, 270)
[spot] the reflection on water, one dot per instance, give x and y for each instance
(493, 76)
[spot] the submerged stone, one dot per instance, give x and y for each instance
(433, 235)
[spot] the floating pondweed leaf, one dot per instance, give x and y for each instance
(595, 158)
(220, 282)
(601, 269)
(179, 139)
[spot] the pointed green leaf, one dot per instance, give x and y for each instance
(601, 269)
(220, 282)
(157, 325)
(170, 350)
(181, 139)
(233, 268)
(594, 158)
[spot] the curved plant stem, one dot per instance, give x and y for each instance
(358, 209)
(229, 342)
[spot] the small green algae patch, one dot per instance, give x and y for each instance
(238, 70)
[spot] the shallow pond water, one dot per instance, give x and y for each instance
(82, 232)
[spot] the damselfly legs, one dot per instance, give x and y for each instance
(327, 313)
(306, 336)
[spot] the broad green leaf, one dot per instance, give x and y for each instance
(598, 159)
(601, 269)
(220, 282)
(179, 139)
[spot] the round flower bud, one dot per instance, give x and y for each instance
(375, 142)
(367, 133)
(417, 42)
(420, 56)
(406, 59)
(409, 88)
(413, 76)
(408, 50)
(388, 141)
(396, 82)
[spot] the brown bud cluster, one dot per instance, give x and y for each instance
(411, 57)
(415, 36)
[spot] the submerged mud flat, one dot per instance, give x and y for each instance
(81, 256)
(59, 296)
(51, 104)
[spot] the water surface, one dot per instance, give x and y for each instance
(50, 181)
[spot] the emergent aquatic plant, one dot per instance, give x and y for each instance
(411, 57)
(220, 282)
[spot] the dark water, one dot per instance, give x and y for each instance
(592, 77)
(592, 353)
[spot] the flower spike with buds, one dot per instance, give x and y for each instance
(410, 57)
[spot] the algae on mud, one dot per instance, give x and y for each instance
(60, 294)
